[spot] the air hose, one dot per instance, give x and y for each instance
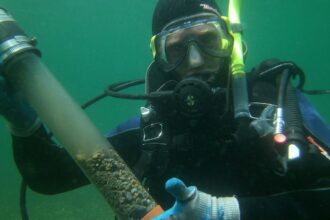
(288, 123)
(294, 124)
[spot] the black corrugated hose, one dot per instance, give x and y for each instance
(22, 201)
(294, 128)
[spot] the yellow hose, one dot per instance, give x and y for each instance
(237, 59)
(240, 97)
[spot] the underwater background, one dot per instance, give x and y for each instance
(90, 44)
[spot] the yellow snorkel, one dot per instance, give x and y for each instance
(237, 62)
(239, 86)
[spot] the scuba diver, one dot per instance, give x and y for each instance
(249, 147)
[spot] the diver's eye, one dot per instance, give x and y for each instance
(175, 51)
(209, 40)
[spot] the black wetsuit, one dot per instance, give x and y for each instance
(223, 161)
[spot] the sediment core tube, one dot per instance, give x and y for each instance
(79, 136)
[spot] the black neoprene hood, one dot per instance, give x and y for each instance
(169, 10)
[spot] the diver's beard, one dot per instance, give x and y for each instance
(207, 73)
(202, 75)
(209, 77)
(215, 76)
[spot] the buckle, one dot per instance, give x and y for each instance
(152, 132)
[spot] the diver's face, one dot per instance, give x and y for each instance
(195, 50)
(198, 63)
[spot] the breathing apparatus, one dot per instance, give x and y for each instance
(161, 45)
(191, 97)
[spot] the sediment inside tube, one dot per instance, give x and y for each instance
(120, 188)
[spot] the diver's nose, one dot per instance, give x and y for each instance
(195, 58)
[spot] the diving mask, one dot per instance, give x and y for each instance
(207, 31)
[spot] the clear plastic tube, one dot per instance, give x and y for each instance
(70, 125)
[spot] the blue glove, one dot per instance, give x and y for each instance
(195, 205)
(21, 118)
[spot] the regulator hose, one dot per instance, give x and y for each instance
(292, 116)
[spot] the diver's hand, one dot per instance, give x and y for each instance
(22, 119)
(193, 204)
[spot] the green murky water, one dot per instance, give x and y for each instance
(89, 44)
